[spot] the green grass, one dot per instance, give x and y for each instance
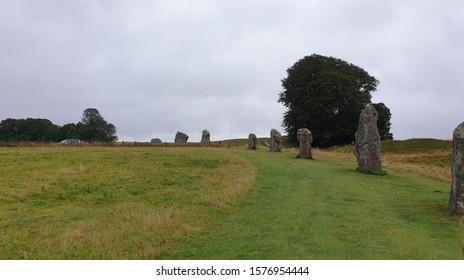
(213, 203)
(111, 203)
(420, 145)
(324, 209)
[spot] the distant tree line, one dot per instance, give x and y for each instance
(92, 128)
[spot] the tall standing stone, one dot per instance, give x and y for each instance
(367, 140)
(181, 138)
(456, 200)
(205, 135)
(276, 141)
(305, 137)
(252, 141)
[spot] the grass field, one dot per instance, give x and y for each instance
(215, 203)
(111, 203)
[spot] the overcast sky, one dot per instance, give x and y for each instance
(155, 67)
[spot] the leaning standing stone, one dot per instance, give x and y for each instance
(276, 141)
(181, 138)
(367, 141)
(252, 140)
(305, 137)
(205, 135)
(456, 201)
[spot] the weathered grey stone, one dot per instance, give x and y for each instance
(267, 143)
(181, 138)
(156, 141)
(462, 247)
(276, 141)
(367, 141)
(205, 135)
(252, 140)
(305, 137)
(456, 200)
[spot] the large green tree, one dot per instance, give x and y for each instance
(93, 127)
(70, 131)
(383, 122)
(326, 95)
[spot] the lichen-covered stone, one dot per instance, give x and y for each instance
(305, 137)
(456, 200)
(252, 141)
(181, 138)
(276, 141)
(367, 141)
(205, 135)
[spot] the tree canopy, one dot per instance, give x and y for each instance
(384, 121)
(28, 130)
(325, 95)
(93, 127)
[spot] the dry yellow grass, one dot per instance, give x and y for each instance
(112, 202)
(224, 186)
(432, 164)
(414, 163)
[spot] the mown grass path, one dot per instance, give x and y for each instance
(324, 209)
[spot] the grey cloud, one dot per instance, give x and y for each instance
(155, 67)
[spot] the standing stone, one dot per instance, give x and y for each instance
(462, 247)
(156, 141)
(181, 138)
(305, 137)
(276, 141)
(367, 140)
(456, 200)
(205, 135)
(267, 143)
(252, 140)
